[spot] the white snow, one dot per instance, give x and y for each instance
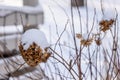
(86, 36)
(50, 28)
(24, 9)
(34, 35)
(18, 3)
(111, 14)
(5, 12)
(11, 29)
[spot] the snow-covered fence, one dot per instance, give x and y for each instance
(17, 15)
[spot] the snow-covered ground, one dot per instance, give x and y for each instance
(58, 19)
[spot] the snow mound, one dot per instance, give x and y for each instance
(109, 14)
(34, 35)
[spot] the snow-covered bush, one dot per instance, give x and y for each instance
(33, 47)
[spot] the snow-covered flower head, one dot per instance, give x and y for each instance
(34, 47)
(34, 35)
(109, 16)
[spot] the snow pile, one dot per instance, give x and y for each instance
(111, 14)
(34, 35)
(5, 12)
(11, 29)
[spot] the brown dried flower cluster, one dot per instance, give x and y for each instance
(98, 42)
(106, 24)
(34, 54)
(79, 36)
(87, 42)
(84, 42)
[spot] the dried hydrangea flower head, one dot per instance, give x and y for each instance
(106, 24)
(33, 47)
(85, 39)
(86, 42)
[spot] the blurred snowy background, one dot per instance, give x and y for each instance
(56, 23)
